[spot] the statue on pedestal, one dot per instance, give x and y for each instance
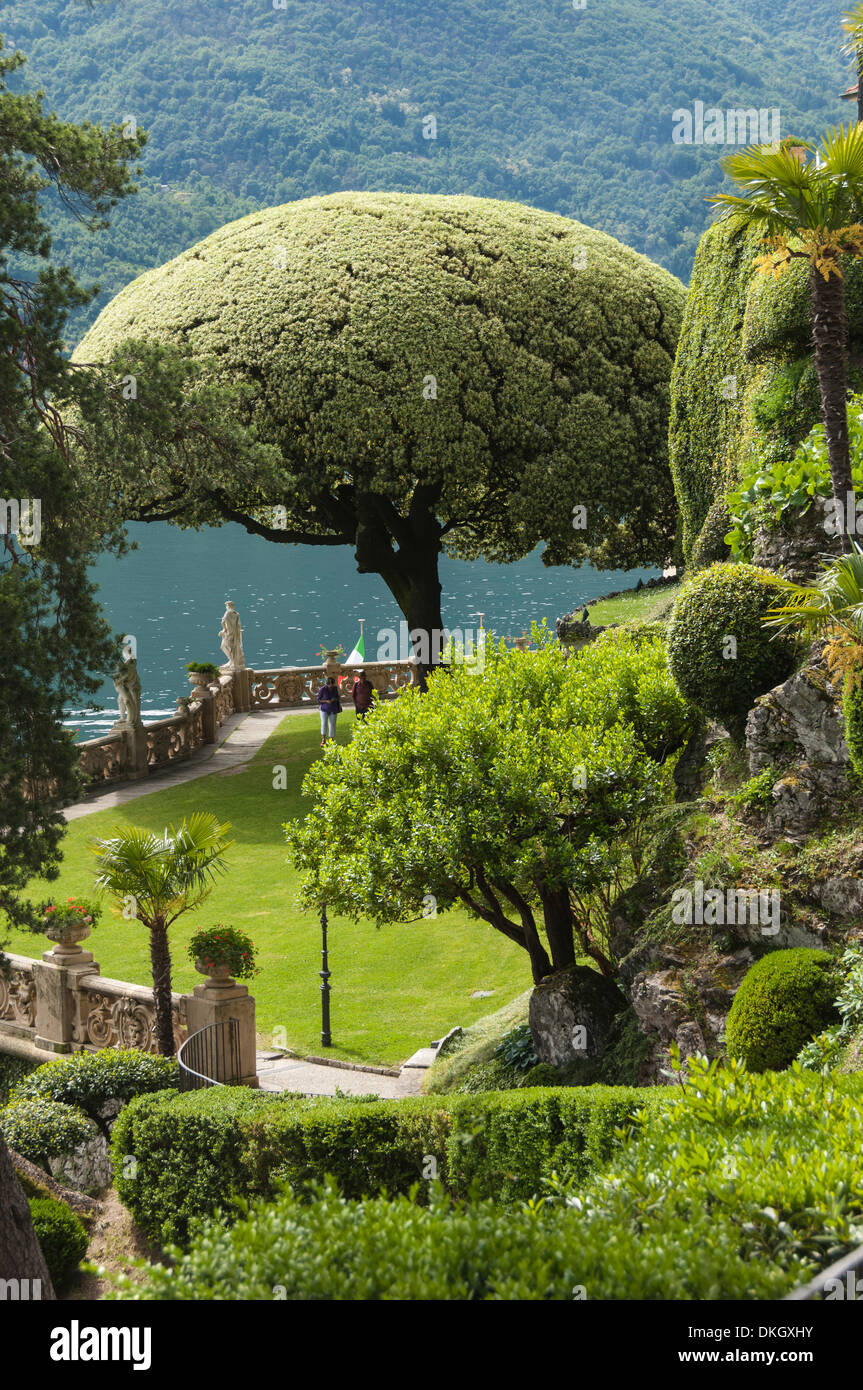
(127, 684)
(231, 633)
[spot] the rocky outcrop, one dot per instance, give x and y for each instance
(797, 548)
(572, 632)
(682, 995)
(799, 729)
(571, 1013)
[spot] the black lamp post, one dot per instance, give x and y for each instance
(326, 1036)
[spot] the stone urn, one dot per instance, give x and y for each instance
(66, 936)
(218, 976)
(522, 643)
(332, 663)
(199, 683)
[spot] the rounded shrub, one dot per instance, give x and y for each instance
(62, 1237)
(41, 1129)
(719, 652)
(784, 1000)
(92, 1080)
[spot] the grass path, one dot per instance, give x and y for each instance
(634, 606)
(395, 988)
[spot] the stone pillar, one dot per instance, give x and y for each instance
(208, 713)
(134, 748)
(57, 978)
(216, 1001)
(242, 689)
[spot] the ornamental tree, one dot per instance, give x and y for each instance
(403, 374)
(531, 794)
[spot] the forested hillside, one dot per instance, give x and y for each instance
(568, 109)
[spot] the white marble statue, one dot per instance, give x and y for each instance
(231, 633)
(127, 684)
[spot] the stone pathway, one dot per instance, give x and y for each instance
(322, 1079)
(240, 737)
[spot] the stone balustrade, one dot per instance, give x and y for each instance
(62, 1003)
(133, 751)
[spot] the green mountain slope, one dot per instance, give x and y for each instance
(570, 110)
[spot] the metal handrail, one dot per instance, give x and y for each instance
(849, 1264)
(210, 1041)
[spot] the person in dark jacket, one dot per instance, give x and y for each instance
(363, 693)
(329, 705)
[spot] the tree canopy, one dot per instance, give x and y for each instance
(53, 636)
(414, 373)
(531, 793)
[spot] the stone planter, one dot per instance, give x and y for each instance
(522, 644)
(332, 664)
(200, 685)
(66, 937)
(218, 976)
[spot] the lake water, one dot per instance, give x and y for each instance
(170, 595)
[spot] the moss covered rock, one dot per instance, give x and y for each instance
(785, 999)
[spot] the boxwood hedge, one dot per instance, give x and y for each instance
(178, 1157)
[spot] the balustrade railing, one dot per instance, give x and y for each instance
(211, 1057)
(127, 752)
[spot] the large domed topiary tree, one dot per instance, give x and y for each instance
(402, 374)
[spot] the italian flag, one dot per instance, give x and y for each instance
(358, 655)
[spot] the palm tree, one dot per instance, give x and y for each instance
(852, 23)
(810, 210)
(831, 608)
(161, 877)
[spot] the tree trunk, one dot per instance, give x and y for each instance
(830, 337)
(405, 552)
(557, 917)
(21, 1256)
(160, 960)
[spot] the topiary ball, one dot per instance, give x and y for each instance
(784, 1000)
(62, 1237)
(719, 652)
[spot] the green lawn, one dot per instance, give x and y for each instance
(637, 605)
(395, 988)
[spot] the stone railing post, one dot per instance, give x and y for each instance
(242, 690)
(57, 977)
(216, 1001)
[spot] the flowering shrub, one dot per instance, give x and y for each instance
(71, 913)
(222, 945)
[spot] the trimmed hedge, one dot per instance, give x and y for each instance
(195, 1154)
(336, 1249)
(784, 1000)
(736, 1186)
(726, 601)
(62, 1237)
(92, 1080)
(42, 1129)
(12, 1070)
